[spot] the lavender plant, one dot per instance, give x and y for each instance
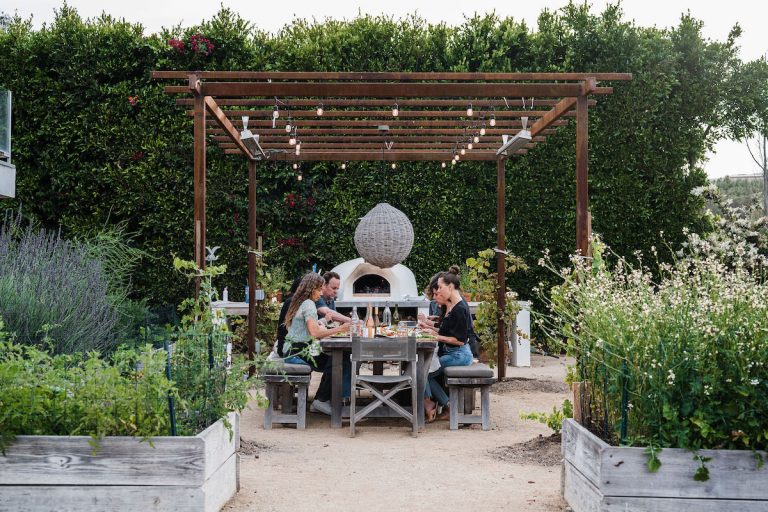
(51, 286)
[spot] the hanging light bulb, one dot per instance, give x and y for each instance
(344, 165)
(299, 177)
(463, 151)
(394, 165)
(442, 165)
(292, 140)
(298, 147)
(482, 131)
(476, 139)
(453, 162)
(320, 109)
(275, 112)
(288, 126)
(492, 122)
(295, 166)
(395, 110)
(456, 157)
(469, 146)
(469, 110)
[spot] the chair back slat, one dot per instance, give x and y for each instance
(384, 349)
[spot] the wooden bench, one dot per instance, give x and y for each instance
(461, 379)
(281, 381)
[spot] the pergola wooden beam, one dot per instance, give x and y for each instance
(377, 156)
(404, 77)
(226, 125)
(368, 102)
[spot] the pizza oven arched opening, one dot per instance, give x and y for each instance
(371, 285)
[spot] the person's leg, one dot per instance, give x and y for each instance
(323, 364)
(294, 360)
(436, 390)
(459, 357)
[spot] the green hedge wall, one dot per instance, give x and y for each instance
(97, 141)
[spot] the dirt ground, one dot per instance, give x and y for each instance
(514, 466)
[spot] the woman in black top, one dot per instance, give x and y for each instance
(453, 336)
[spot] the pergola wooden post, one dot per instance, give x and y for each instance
(433, 124)
(501, 266)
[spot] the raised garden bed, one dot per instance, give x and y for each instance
(600, 477)
(61, 473)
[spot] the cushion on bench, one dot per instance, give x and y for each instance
(477, 370)
(288, 369)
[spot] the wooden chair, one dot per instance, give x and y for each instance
(283, 379)
(463, 379)
(384, 387)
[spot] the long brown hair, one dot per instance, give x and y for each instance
(309, 283)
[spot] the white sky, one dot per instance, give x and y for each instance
(718, 17)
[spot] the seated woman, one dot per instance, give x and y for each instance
(301, 321)
(452, 334)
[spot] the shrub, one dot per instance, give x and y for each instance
(50, 286)
(679, 362)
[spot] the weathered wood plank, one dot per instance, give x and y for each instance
(578, 491)
(69, 460)
(222, 485)
(623, 504)
(582, 449)
(219, 445)
(732, 475)
(115, 498)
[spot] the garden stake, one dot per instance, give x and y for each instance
(210, 351)
(624, 401)
(171, 409)
(605, 400)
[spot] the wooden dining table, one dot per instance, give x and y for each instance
(342, 347)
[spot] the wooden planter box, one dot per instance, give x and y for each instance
(600, 477)
(60, 473)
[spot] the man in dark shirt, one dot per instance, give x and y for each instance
(326, 305)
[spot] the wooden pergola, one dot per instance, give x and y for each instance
(391, 117)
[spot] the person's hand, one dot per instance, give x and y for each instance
(343, 327)
(328, 318)
(422, 316)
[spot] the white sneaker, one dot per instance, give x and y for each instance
(321, 407)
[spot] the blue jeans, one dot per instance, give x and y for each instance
(324, 363)
(459, 356)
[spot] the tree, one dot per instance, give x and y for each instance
(760, 156)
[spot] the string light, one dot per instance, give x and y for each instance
(476, 139)
(294, 136)
(469, 110)
(320, 109)
(299, 177)
(469, 146)
(343, 165)
(453, 162)
(395, 110)
(295, 166)
(288, 125)
(463, 151)
(394, 165)
(482, 131)
(275, 112)
(492, 122)
(442, 165)
(298, 147)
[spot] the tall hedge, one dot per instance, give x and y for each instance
(96, 140)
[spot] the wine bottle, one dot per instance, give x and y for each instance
(370, 325)
(376, 322)
(354, 323)
(395, 316)
(386, 316)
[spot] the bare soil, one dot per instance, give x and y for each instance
(514, 466)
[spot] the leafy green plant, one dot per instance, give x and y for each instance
(680, 360)
(485, 282)
(82, 394)
(553, 420)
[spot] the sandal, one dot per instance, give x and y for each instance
(429, 415)
(445, 414)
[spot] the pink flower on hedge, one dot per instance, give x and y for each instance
(201, 44)
(133, 101)
(137, 156)
(176, 44)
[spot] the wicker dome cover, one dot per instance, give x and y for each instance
(384, 237)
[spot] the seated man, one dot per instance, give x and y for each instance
(326, 308)
(326, 305)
